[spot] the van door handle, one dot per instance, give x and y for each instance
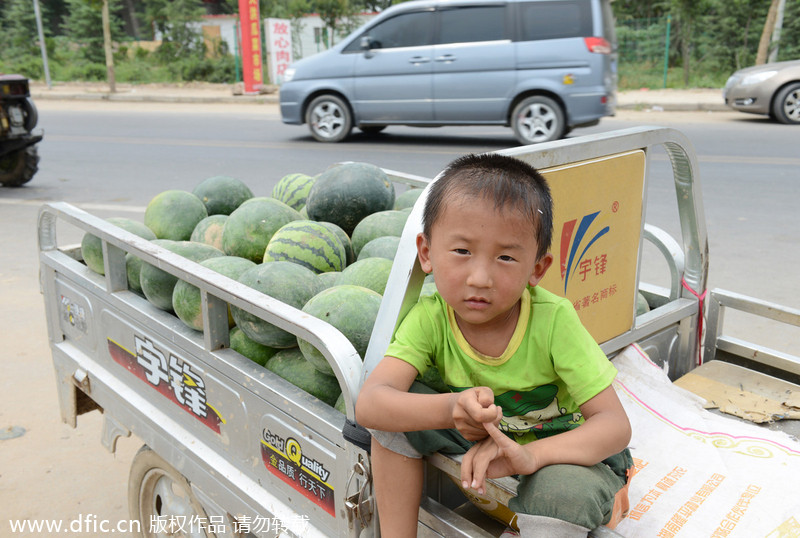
(447, 58)
(419, 60)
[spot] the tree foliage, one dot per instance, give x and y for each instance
(707, 36)
(84, 27)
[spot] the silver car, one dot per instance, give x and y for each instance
(540, 67)
(772, 89)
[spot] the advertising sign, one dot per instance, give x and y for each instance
(252, 65)
(279, 46)
(596, 234)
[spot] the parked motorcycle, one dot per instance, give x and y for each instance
(19, 158)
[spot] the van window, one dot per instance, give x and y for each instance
(470, 24)
(405, 30)
(555, 20)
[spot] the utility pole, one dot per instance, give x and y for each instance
(776, 32)
(112, 84)
(42, 44)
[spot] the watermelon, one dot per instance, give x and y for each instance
(642, 307)
(352, 310)
(222, 194)
(133, 267)
(292, 190)
(407, 199)
(157, 284)
(186, 302)
(250, 227)
(339, 405)
(209, 231)
(347, 193)
(173, 214)
(309, 244)
(376, 225)
(294, 368)
(428, 288)
(285, 281)
(371, 273)
(92, 247)
(326, 280)
(243, 344)
(344, 238)
(380, 247)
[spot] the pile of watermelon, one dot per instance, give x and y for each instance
(322, 244)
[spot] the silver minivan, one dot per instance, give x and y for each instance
(541, 67)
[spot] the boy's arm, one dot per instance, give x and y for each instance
(384, 403)
(605, 432)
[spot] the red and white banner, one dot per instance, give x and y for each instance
(252, 64)
(279, 46)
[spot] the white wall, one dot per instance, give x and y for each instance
(306, 33)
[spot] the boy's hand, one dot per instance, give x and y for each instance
(495, 456)
(473, 408)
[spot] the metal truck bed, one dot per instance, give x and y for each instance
(249, 444)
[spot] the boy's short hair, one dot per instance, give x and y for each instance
(507, 181)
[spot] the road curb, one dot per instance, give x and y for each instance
(689, 106)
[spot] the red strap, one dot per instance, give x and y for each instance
(701, 298)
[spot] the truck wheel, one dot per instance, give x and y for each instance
(329, 119)
(786, 107)
(19, 167)
(161, 499)
(538, 119)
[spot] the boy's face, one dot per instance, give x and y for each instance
(482, 259)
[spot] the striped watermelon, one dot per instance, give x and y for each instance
(250, 227)
(309, 244)
(343, 237)
(292, 190)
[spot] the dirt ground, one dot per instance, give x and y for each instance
(50, 472)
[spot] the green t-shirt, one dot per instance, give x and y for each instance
(551, 366)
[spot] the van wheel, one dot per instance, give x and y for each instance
(329, 119)
(786, 107)
(538, 119)
(162, 500)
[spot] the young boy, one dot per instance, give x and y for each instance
(531, 391)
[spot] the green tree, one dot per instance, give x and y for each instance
(84, 26)
(687, 15)
(177, 22)
(18, 33)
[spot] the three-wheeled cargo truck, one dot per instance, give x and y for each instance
(229, 444)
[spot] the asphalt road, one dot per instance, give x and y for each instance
(112, 158)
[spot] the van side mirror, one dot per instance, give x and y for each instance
(366, 42)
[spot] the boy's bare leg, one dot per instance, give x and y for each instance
(398, 488)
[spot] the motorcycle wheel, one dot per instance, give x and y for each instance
(19, 167)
